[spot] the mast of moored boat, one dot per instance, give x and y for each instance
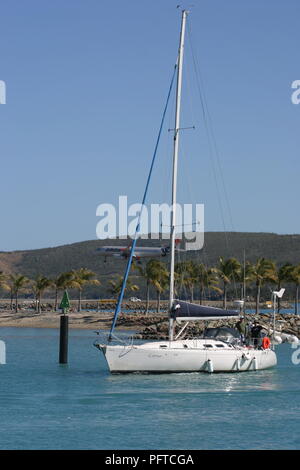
(174, 177)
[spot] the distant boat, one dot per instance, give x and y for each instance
(220, 349)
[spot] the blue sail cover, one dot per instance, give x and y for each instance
(185, 311)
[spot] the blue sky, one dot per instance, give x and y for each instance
(86, 84)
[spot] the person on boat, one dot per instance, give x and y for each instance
(256, 333)
(242, 328)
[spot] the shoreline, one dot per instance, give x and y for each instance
(47, 319)
(84, 320)
(151, 325)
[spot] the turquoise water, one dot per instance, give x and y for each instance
(44, 405)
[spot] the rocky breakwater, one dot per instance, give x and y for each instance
(155, 327)
(141, 322)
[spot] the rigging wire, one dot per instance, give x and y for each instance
(137, 230)
(212, 143)
(213, 148)
(167, 180)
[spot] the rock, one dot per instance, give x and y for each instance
(139, 336)
(163, 326)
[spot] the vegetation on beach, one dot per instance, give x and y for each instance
(81, 278)
(156, 275)
(193, 281)
(115, 286)
(16, 283)
(19, 283)
(228, 271)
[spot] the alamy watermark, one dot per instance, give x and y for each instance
(2, 92)
(2, 352)
(295, 97)
(296, 354)
(121, 222)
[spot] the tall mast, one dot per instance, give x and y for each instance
(244, 277)
(175, 160)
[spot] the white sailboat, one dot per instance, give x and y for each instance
(220, 349)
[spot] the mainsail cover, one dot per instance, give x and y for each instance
(186, 311)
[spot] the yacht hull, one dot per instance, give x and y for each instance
(171, 357)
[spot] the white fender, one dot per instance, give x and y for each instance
(210, 366)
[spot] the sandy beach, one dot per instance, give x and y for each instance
(52, 319)
(94, 315)
(94, 320)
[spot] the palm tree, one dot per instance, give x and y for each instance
(295, 279)
(4, 281)
(11, 289)
(187, 275)
(41, 283)
(281, 275)
(160, 280)
(207, 279)
(244, 277)
(81, 278)
(228, 270)
(17, 282)
(62, 282)
(148, 273)
(262, 271)
(156, 275)
(116, 286)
